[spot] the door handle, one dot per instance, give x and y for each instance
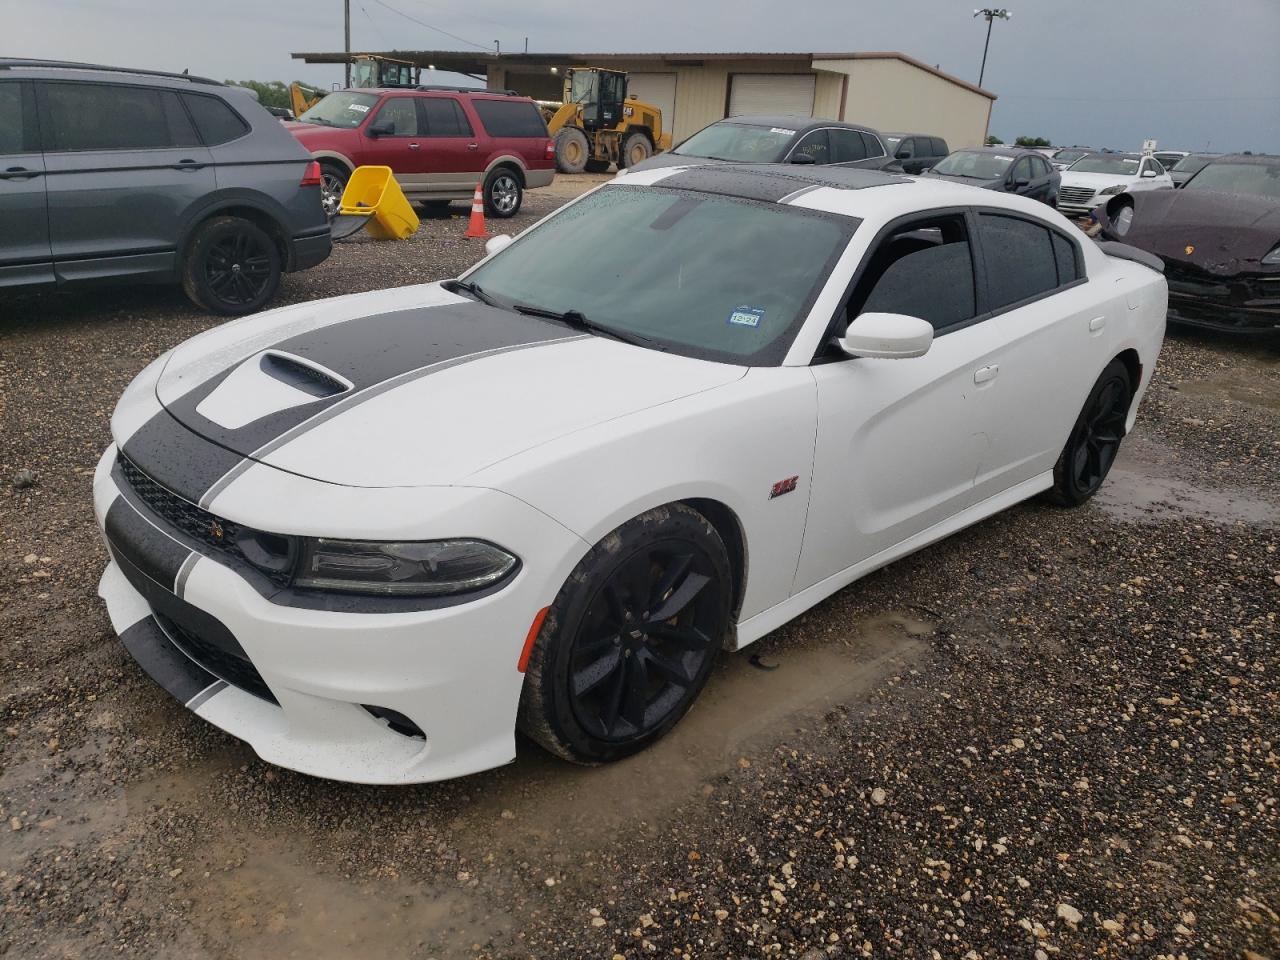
(413, 146)
(473, 146)
(188, 165)
(986, 374)
(1097, 323)
(19, 173)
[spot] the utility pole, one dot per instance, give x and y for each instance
(992, 14)
(346, 46)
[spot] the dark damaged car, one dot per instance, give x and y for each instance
(1219, 239)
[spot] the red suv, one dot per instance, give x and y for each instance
(440, 142)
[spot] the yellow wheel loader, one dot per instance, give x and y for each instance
(598, 124)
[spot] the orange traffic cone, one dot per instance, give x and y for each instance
(475, 228)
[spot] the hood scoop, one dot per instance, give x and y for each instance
(267, 383)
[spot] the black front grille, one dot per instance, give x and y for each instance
(200, 525)
(223, 664)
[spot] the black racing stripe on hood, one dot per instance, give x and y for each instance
(188, 453)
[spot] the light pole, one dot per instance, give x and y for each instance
(346, 42)
(992, 14)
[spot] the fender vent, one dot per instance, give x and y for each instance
(312, 380)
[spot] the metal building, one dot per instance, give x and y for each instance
(889, 91)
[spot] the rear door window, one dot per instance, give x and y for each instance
(846, 146)
(1064, 252)
(940, 147)
(872, 144)
(813, 145)
(445, 117)
(1021, 263)
(214, 119)
(509, 118)
(105, 116)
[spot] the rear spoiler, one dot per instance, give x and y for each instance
(1122, 251)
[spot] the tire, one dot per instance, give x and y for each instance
(333, 180)
(636, 148)
(231, 266)
(502, 193)
(597, 166)
(606, 678)
(1095, 439)
(572, 150)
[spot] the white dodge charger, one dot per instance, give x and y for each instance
(377, 535)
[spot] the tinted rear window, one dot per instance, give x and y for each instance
(1021, 262)
(1064, 252)
(939, 147)
(445, 118)
(103, 116)
(215, 120)
(873, 145)
(510, 118)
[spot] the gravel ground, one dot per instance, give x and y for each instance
(1053, 735)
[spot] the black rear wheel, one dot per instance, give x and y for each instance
(631, 638)
(1095, 439)
(231, 266)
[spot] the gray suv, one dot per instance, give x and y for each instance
(112, 174)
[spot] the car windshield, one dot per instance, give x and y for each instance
(1068, 156)
(891, 141)
(1191, 164)
(974, 163)
(1258, 179)
(700, 274)
(1103, 163)
(738, 142)
(341, 109)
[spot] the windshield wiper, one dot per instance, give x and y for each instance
(579, 321)
(466, 286)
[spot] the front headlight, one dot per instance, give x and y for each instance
(1272, 259)
(423, 568)
(1112, 191)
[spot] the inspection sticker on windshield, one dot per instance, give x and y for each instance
(781, 130)
(746, 316)
(359, 108)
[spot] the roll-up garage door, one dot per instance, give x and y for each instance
(658, 89)
(771, 93)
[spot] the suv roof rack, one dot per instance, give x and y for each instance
(7, 63)
(452, 89)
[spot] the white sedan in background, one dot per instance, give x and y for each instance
(374, 536)
(1096, 177)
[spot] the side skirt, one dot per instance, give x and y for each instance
(769, 620)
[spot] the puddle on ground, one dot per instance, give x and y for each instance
(742, 712)
(255, 898)
(1146, 484)
(1248, 385)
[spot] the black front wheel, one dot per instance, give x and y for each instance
(231, 266)
(1095, 439)
(631, 638)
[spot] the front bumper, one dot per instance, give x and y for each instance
(1232, 305)
(296, 683)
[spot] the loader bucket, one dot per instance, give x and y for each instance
(372, 192)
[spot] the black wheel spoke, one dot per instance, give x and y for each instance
(670, 669)
(617, 610)
(635, 699)
(681, 598)
(596, 672)
(677, 568)
(613, 702)
(690, 638)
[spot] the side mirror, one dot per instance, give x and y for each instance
(497, 243)
(903, 155)
(802, 158)
(1147, 174)
(887, 336)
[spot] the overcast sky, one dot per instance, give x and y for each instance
(1194, 74)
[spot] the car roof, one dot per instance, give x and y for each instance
(997, 148)
(792, 122)
(59, 68)
(898, 133)
(1262, 159)
(847, 191)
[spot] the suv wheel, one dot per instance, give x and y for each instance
(231, 267)
(502, 193)
(333, 180)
